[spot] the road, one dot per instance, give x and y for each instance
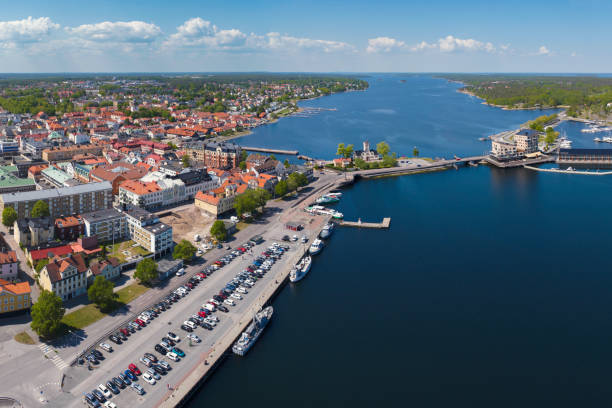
(33, 373)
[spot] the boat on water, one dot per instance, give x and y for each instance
(301, 269)
(336, 194)
(327, 230)
(253, 331)
(597, 140)
(327, 199)
(315, 247)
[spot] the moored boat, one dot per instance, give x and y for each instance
(316, 247)
(253, 331)
(301, 269)
(327, 230)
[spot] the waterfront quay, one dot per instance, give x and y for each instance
(69, 383)
(266, 150)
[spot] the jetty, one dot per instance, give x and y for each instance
(519, 162)
(386, 222)
(567, 171)
(266, 150)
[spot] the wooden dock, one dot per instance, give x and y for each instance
(265, 150)
(386, 222)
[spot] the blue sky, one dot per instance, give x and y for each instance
(312, 36)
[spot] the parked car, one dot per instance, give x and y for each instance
(174, 337)
(146, 361)
(160, 349)
(105, 391)
(186, 328)
(151, 357)
(133, 369)
(106, 346)
(118, 382)
(138, 388)
(164, 365)
(172, 356)
(125, 379)
(168, 341)
(125, 331)
(111, 386)
(129, 374)
(114, 339)
(99, 396)
(153, 374)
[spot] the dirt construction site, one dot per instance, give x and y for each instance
(186, 222)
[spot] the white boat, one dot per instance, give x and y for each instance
(597, 140)
(301, 269)
(316, 247)
(327, 230)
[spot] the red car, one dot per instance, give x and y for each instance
(203, 313)
(202, 275)
(124, 331)
(223, 295)
(139, 322)
(134, 369)
(189, 285)
(241, 249)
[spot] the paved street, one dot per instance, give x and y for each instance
(32, 374)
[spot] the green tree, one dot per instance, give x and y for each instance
(273, 157)
(218, 230)
(186, 160)
(41, 264)
(146, 271)
(296, 180)
(361, 164)
(184, 250)
(389, 161)
(172, 146)
(101, 293)
(40, 209)
(280, 189)
(348, 151)
(341, 150)
(47, 314)
(286, 163)
(383, 148)
(9, 216)
(244, 203)
(242, 165)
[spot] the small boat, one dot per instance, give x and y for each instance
(337, 215)
(336, 194)
(597, 140)
(300, 270)
(327, 230)
(327, 199)
(315, 247)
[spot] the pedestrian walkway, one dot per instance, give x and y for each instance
(55, 358)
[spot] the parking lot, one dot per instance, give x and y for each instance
(81, 379)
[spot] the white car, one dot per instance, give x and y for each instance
(236, 296)
(172, 356)
(229, 302)
(105, 390)
(180, 272)
(174, 337)
(210, 321)
(209, 306)
(148, 378)
(193, 337)
(106, 347)
(110, 404)
(242, 290)
(144, 318)
(213, 317)
(190, 324)
(214, 302)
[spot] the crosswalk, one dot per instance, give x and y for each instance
(56, 359)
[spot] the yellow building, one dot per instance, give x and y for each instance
(14, 296)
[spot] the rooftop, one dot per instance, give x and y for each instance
(58, 192)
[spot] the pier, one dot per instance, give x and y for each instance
(386, 222)
(266, 150)
(584, 173)
(519, 162)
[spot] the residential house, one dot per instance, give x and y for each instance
(14, 297)
(32, 232)
(109, 268)
(8, 265)
(107, 225)
(69, 228)
(66, 277)
(117, 173)
(219, 200)
(146, 229)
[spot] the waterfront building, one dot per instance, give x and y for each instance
(14, 297)
(8, 265)
(62, 201)
(526, 141)
(107, 225)
(145, 229)
(503, 149)
(366, 154)
(66, 277)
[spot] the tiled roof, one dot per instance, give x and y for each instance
(20, 288)
(8, 257)
(140, 187)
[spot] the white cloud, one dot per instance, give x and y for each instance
(117, 31)
(28, 30)
(277, 41)
(384, 44)
(543, 51)
(199, 32)
(450, 44)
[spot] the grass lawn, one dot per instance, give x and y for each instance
(89, 314)
(241, 225)
(117, 249)
(24, 338)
